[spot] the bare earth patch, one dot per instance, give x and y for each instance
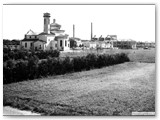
(115, 90)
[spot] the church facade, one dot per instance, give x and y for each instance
(52, 37)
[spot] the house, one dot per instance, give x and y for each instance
(52, 38)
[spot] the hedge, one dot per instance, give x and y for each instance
(25, 54)
(20, 70)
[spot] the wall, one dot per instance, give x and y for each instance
(50, 43)
(37, 45)
(28, 44)
(31, 36)
(63, 47)
(92, 45)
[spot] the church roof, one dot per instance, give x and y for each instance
(30, 32)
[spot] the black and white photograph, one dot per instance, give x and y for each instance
(79, 59)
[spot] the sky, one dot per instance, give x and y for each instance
(135, 22)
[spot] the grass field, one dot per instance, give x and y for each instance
(114, 90)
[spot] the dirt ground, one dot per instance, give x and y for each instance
(12, 111)
(115, 90)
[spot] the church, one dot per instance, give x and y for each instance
(52, 37)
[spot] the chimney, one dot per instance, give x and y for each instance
(91, 31)
(54, 20)
(73, 31)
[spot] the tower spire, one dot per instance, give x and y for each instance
(46, 22)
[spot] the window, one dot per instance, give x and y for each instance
(60, 43)
(30, 36)
(65, 43)
(31, 44)
(56, 45)
(25, 45)
(68, 45)
(44, 21)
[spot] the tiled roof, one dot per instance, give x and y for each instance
(30, 40)
(61, 36)
(71, 38)
(33, 40)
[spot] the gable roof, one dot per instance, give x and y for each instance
(30, 32)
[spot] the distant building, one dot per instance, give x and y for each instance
(140, 45)
(125, 44)
(111, 37)
(52, 38)
(75, 42)
(12, 45)
(101, 42)
(145, 45)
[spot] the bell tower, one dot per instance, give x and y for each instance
(46, 17)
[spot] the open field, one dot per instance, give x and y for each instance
(115, 90)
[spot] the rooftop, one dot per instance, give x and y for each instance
(30, 39)
(46, 33)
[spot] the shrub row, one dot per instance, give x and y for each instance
(24, 54)
(14, 71)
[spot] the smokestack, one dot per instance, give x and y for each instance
(73, 31)
(91, 31)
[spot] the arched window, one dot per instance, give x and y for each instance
(25, 45)
(60, 43)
